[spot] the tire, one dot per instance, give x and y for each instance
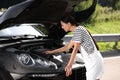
(5, 75)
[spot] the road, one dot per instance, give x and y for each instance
(111, 67)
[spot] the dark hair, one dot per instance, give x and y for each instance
(67, 19)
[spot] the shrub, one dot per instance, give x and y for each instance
(117, 5)
(103, 14)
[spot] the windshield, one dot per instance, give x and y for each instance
(24, 29)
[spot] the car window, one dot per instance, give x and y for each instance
(41, 29)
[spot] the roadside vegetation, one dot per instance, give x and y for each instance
(105, 20)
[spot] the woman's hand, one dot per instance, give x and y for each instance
(48, 52)
(68, 71)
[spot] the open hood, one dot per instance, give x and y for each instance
(43, 11)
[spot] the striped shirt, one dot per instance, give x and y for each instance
(82, 36)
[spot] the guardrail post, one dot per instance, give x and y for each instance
(115, 45)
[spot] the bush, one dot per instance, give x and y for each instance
(104, 20)
(117, 5)
(103, 14)
(83, 5)
(103, 46)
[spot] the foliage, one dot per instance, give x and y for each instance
(105, 20)
(104, 14)
(110, 27)
(117, 5)
(108, 46)
(83, 5)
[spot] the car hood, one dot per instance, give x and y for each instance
(43, 11)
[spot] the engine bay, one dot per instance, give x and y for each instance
(32, 54)
(29, 57)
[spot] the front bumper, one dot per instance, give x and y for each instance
(37, 72)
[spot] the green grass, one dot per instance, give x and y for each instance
(108, 27)
(103, 46)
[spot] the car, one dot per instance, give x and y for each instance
(31, 27)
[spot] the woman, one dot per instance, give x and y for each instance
(83, 41)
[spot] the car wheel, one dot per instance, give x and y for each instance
(5, 75)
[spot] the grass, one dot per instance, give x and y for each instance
(110, 27)
(103, 46)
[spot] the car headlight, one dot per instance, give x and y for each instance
(26, 59)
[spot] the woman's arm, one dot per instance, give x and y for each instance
(75, 50)
(65, 48)
(69, 65)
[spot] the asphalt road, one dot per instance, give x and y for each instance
(111, 67)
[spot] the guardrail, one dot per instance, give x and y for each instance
(101, 38)
(107, 37)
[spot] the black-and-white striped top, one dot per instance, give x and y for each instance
(82, 36)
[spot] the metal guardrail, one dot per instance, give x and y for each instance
(100, 38)
(107, 37)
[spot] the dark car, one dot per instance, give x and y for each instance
(28, 29)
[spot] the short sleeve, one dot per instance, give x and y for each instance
(77, 36)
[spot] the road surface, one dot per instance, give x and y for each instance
(111, 67)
